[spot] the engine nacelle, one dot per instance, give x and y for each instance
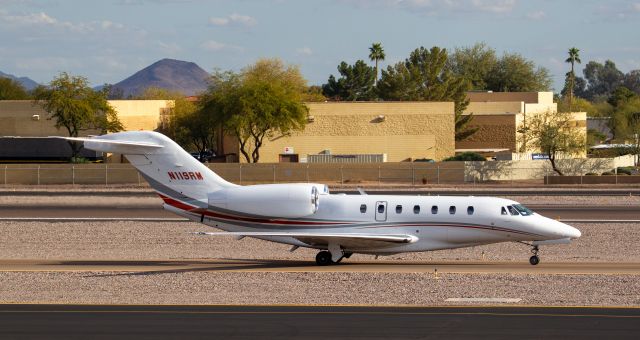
(274, 200)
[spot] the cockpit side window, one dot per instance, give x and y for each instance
(524, 211)
(512, 210)
(503, 211)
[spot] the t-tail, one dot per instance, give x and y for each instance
(170, 170)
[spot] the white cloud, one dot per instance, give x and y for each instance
(495, 6)
(168, 48)
(41, 19)
(304, 51)
(440, 6)
(537, 15)
(212, 45)
(235, 18)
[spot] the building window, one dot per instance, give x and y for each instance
(470, 210)
(452, 209)
(416, 209)
(434, 209)
(398, 209)
(363, 208)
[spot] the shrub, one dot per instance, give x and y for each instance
(591, 174)
(466, 156)
(608, 173)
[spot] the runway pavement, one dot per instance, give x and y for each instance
(155, 211)
(319, 322)
(143, 267)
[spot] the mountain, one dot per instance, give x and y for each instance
(170, 74)
(27, 83)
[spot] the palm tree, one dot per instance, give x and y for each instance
(574, 57)
(376, 53)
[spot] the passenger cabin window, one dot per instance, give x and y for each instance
(416, 209)
(470, 210)
(363, 208)
(434, 209)
(381, 208)
(512, 210)
(452, 210)
(398, 209)
(503, 211)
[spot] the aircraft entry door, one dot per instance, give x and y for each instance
(381, 211)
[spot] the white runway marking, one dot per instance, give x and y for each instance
(484, 300)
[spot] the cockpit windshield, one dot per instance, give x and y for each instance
(524, 211)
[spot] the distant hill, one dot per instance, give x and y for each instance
(27, 83)
(170, 74)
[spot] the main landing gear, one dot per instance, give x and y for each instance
(324, 258)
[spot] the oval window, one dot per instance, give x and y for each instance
(398, 209)
(416, 209)
(363, 208)
(434, 209)
(381, 208)
(452, 209)
(470, 210)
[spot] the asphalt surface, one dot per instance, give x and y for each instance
(155, 211)
(143, 267)
(321, 322)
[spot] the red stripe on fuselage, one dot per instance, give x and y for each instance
(180, 205)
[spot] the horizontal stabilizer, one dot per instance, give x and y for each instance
(116, 146)
(351, 241)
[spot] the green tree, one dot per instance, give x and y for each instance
(553, 134)
(601, 79)
(514, 73)
(376, 53)
(423, 76)
(632, 81)
(76, 107)
(356, 83)
(264, 100)
(574, 57)
(12, 90)
(473, 63)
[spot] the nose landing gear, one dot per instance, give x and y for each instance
(534, 259)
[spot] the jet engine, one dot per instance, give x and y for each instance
(273, 200)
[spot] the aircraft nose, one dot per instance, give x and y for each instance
(571, 232)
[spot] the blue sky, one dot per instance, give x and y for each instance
(108, 40)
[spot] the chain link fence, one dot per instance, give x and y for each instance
(117, 174)
(365, 174)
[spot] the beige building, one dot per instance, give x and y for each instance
(26, 119)
(499, 115)
(394, 131)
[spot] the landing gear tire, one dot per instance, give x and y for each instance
(534, 260)
(323, 258)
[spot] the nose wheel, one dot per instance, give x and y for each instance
(534, 260)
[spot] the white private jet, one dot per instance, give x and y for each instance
(306, 215)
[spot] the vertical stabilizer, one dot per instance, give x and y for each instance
(169, 169)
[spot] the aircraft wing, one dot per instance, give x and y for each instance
(346, 240)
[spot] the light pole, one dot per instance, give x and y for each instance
(635, 136)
